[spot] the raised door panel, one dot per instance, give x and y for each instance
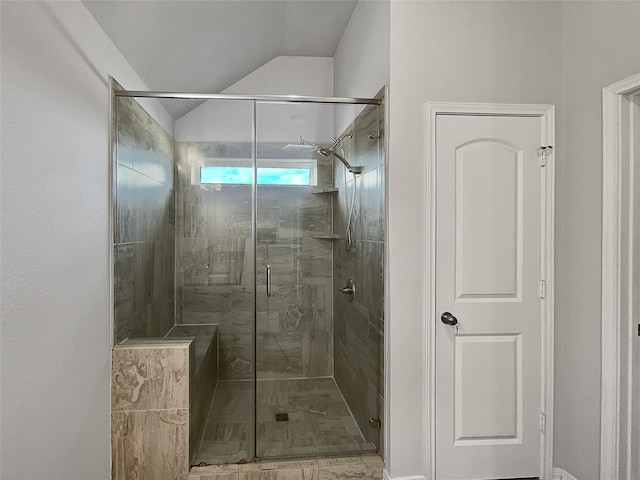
(488, 389)
(488, 221)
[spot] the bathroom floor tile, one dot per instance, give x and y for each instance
(366, 467)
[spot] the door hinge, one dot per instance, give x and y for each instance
(543, 422)
(542, 153)
(542, 289)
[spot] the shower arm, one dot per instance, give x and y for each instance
(338, 140)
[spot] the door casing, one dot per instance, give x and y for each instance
(619, 282)
(546, 113)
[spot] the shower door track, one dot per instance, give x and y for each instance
(256, 98)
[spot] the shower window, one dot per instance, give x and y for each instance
(301, 172)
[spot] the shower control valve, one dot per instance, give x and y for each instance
(375, 423)
(350, 289)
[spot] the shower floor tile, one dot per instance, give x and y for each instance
(319, 421)
(229, 429)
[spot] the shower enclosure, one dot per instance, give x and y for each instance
(256, 231)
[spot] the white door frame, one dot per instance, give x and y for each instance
(547, 176)
(617, 287)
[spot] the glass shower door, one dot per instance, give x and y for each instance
(273, 213)
(300, 408)
(215, 277)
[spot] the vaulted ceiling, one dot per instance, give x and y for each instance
(206, 46)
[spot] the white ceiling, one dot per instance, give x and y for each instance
(206, 46)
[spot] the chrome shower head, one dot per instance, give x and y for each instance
(301, 146)
(327, 152)
(324, 151)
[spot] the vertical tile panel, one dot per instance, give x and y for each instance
(150, 378)
(150, 445)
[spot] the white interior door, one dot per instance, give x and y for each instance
(488, 272)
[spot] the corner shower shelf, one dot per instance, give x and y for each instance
(318, 191)
(328, 236)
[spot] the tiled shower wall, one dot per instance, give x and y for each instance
(144, 232)
(359, 325)
(215, 277)
(303, 329)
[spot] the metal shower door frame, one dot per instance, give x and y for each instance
(117, 90)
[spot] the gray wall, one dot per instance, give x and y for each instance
(361, 61)
(561, 53)
(456, 52)
(144, 225)
(600, 45)
(55, 335)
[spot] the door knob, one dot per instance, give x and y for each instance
(449, 319)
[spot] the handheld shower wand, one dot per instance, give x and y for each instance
(354, 169)
(327, 152)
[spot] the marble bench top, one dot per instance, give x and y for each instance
(203, 334)
(200, 334)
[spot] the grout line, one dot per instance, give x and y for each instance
(287, 378)
(140, 173)
(195, 325)
(174, 342)
(151, 410)
(139, 242)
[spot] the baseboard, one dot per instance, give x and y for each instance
(557, 474)
(560, 474)
(386, 476)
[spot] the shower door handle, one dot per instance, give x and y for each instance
(268, 280)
